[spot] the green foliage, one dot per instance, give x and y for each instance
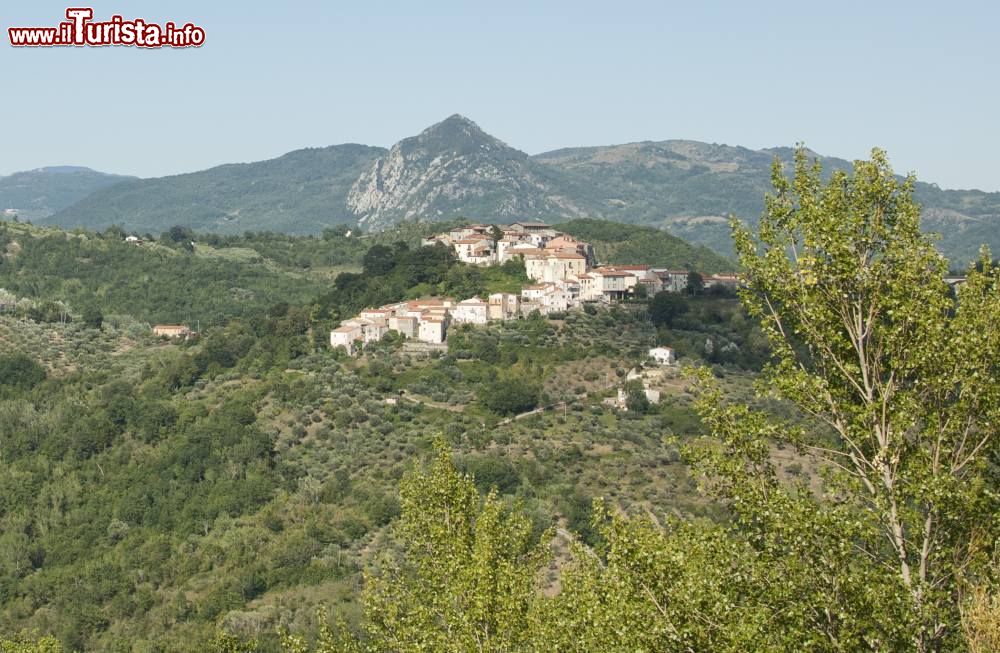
(466, 580)
(665, 307)
(150, 282)
(293, 193)
(392, 279)
(635, 397)
(511, 395)
(871, 344)
(38, 193)
(615, 242)
(25, 643)
(92, 317)
(19, 373)
(695, 283)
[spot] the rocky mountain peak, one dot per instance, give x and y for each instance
(452, 166)
(456, 135)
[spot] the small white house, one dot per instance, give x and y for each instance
(432, 330)
(652, 396)
(345, 336)
(471, 311)
(663, 355)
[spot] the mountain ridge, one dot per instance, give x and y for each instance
(38, 193)
(455, 169)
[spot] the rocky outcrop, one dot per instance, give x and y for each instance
(454, 168)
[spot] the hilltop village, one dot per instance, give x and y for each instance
(565, 272)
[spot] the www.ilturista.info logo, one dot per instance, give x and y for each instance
(79, 30)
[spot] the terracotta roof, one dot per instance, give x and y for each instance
(567, 255)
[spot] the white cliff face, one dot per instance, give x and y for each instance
(451, 168)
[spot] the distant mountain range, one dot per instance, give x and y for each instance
(37, 194)
(454, 168)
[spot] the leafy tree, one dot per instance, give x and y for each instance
(667, 306)
(509, 396)
(870, 344)
(26, 643)
(92, 317)
(466, 581)
(695, 283)
(19, 372)
(378, 260)
(496, 235)
(635, 397)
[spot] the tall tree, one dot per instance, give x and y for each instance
(871, 344)
(467, 579)
(695, 283)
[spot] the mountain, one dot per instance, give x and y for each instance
(690, 188)
(300, 192)
(454, 168)
(451, 168)
(35, 194)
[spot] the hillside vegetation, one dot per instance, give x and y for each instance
(617, 243)
(158, 491)
(37, 194)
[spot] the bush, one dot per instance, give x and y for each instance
(510, 396)
(19, 373)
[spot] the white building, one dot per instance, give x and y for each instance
(504, 306)
(663, 355)
(524, 250)
(374, 331)
(672, 280)
(345, 336)
(554, 266)
(652, 396)
(433, 329)
(471, 311)
(404, 325)
(477, 251)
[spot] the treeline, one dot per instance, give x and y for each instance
(615, 242)
(392, 273)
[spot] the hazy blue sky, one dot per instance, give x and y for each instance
(916, 78)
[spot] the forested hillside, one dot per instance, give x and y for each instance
(823, 476)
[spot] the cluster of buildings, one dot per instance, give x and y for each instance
(425, 320)
(562, 268)
(537, 242)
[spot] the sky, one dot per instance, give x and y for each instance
(917, 79)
